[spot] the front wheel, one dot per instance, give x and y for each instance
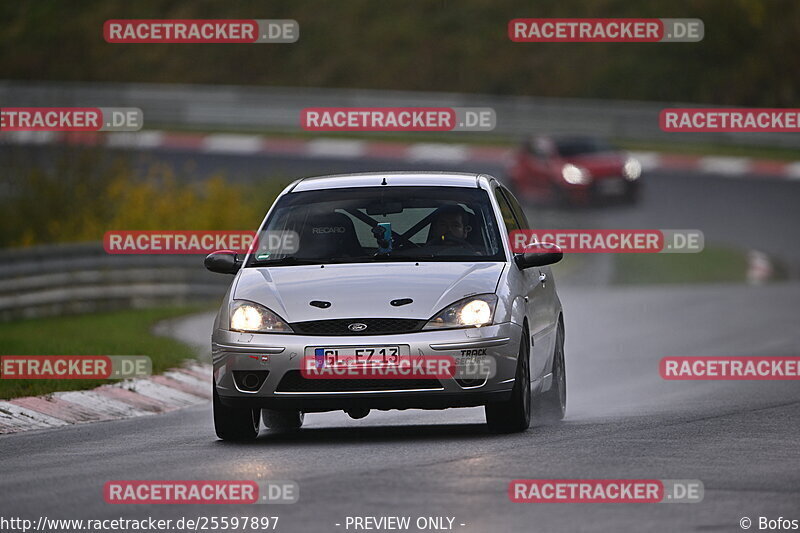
(514, 415)
(551, 406)
(632, 194)
(234, 424)
(559, 198)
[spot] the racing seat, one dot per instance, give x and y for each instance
(328, 235)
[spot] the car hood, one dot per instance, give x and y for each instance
(365, 290)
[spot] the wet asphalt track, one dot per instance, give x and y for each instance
(739, 438)
(623, 421)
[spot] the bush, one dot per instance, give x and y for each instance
(84, 194)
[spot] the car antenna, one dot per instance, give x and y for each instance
(384, 181)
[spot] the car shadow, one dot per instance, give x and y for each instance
(376, 434)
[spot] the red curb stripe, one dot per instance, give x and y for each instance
(7, 427)
(182, 141)
(134, 399)
(768, 168)
(401, 151)
(284, 146)
(13, 425)
(83, 138)
(386, 150)
(61, 409)
(183, 387)
(488, 153)
(682, 162)
(195, 373)
(73, 413)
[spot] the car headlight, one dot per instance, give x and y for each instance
(471, 312)
(575, 175)
(255, 318)
(632, 169)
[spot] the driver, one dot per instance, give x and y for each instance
(450, 226)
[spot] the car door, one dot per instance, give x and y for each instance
(532, 289)
(541, 300)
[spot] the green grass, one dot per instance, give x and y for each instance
(713, 264)
(112, 333)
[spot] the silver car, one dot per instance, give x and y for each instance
(370, 270)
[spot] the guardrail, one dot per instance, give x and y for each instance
(72, 278)
(278, 108)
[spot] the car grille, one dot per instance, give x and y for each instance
(293, 381)
(375, 326)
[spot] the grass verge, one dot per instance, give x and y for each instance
(714, 264)
(113, 333)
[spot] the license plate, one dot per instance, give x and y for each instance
(367, 356)
(614, 186)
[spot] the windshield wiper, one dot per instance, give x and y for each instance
(286, 261)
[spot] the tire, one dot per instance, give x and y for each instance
(282, 420)
(551, 406)
(559, 198)
(632, 194)
(234, 424)
(514, 414)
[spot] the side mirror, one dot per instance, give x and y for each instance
(538, 254)
(223, 262)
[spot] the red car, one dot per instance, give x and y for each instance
(573, 171)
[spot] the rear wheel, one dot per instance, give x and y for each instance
(514, 415)
(282, 420)
(632, 194)
(551, 406)
(235, 424)
(559, 197)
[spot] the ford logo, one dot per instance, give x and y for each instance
(357, 326)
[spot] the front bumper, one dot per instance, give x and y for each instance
(282, 354)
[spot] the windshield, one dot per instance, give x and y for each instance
(364, 224)
(573, 147)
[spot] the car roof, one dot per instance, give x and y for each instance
(397, 179)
